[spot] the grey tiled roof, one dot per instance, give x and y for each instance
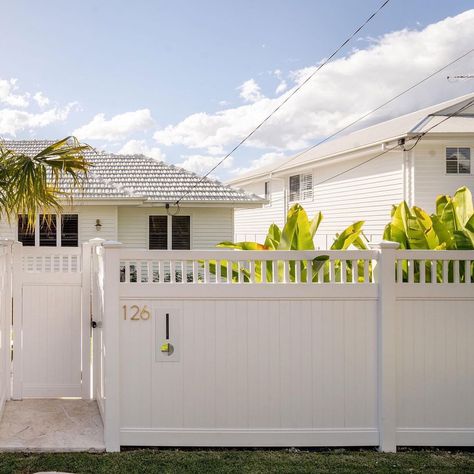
(114, 176)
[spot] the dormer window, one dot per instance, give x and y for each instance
(458, 160)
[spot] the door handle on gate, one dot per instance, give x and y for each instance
(95, 324)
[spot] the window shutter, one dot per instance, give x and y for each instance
(181, 226)
(295, 188)
(69, 230)
(47, 230)
(306, 186)
(25, 236)
(158, 232)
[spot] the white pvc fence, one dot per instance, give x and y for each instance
(229, 348)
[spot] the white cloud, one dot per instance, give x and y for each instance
(41, 99)
(140, 147)
(8, 96)
(341, 92)
(201, 164)
(250, 91)
(13, 121)
(117, 127)
(265, 160)
(281, 87)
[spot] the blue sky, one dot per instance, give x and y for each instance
(185, 80)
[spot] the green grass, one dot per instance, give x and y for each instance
(241, 461)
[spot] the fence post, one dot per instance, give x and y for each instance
(86, 321)
(6, 321)
(95, 310)
(111, 334)
(17, 318)
(386, 347)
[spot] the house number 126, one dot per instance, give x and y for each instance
(136, 313)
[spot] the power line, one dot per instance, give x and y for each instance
(416, 138)
(362, 117)
(287, 98)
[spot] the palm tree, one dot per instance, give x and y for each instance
(29, 184)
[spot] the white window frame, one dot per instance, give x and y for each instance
(301, 194)
(268, 185)
(58, 234)
(457, 146)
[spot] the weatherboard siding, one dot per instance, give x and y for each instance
(364, 193)
(87, 216)
(252, 224)
(209, 226)
(430, 177)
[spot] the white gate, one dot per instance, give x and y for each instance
(51, 328)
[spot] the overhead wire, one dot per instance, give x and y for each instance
(417, 139)
(285, 100)
(376, 109)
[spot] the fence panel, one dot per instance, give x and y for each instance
(320, 348)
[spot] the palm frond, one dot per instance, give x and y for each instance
(29, 184)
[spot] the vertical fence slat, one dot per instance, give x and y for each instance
(445, 271)
(434, 276)
(411, 271)
(467, 271)
(332, 270)
(252, 271)
(456, 271)
(343, 271)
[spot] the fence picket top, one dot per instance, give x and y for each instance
(218, 254)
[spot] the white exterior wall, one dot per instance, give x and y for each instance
(86, 223)
(365, 193)
(209, 226)
(129, 224)
(430, 175)
(252, 224)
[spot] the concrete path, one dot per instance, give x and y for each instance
(53, 425)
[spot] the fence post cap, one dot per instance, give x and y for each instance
(386, 244)
(96, 241)
(5, 241)
(111, 244)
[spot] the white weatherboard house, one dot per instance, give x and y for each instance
(124, 200)
(356, 187)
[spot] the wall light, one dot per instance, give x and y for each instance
(98, 225)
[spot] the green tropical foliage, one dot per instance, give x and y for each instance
(297, 234)
(451, 227)
(29, 184)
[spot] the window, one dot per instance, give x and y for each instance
(181, 233)
(458, 160)
(301, 187)
(46, 227)
(69, 230)
(47, 230)
(267, 190)
(26, 234)
(158, 232)
(180, 227)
